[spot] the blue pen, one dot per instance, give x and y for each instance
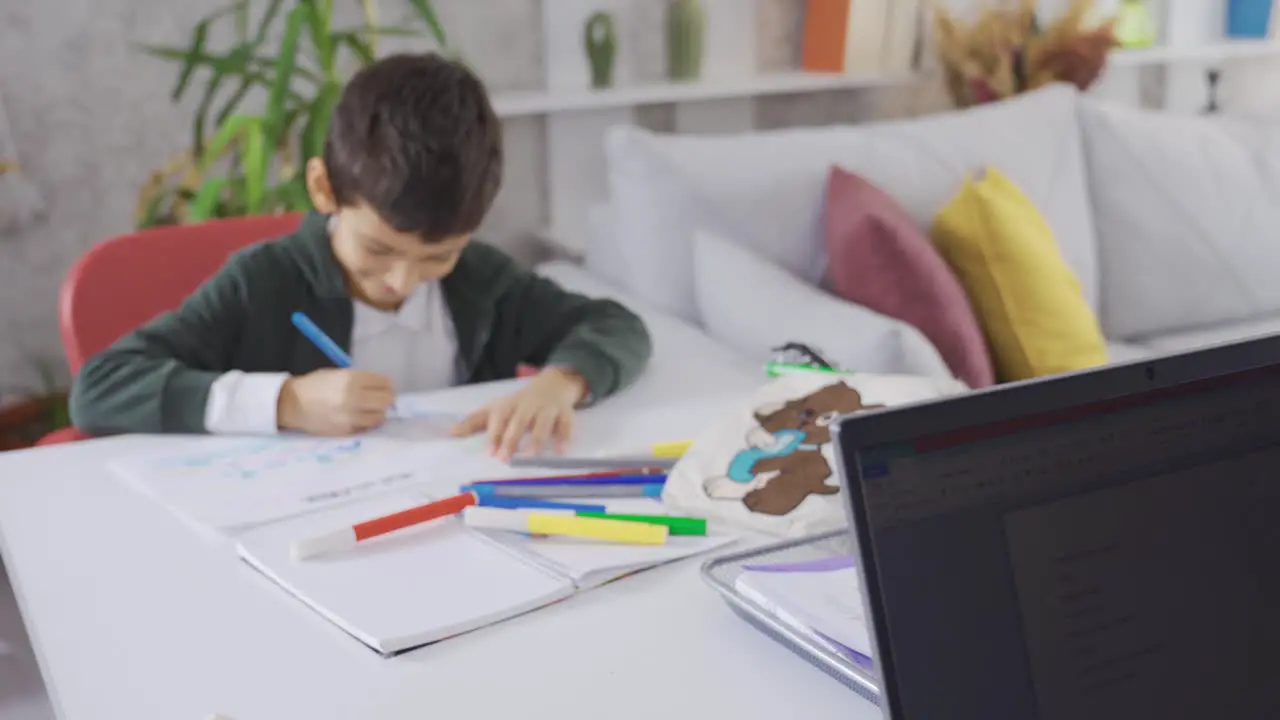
(324, 343)
(312, 332)
(534, 504)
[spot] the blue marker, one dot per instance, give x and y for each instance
(533, 504)
(567, 491)
(648, 479)
(331, 349)
(317, 337)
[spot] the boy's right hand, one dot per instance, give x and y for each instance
(334, 401)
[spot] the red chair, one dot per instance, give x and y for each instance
(125, 281)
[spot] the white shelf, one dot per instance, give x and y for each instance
(1208, 52)
(518, 103)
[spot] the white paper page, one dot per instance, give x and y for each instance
(431, 415)
(592, 563)
(411, 587)
(419, 426)
(225, 484)
(828, 602)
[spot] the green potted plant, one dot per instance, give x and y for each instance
(248, 163)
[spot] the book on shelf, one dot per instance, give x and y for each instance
(861, 36)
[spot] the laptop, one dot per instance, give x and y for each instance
(1096, 545)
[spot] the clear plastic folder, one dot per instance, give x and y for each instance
(855, 671)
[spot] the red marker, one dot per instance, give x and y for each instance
(349, 537)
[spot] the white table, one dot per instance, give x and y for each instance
(134, 615)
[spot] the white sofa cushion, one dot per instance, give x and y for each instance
(751, 305)
(686, 362)
(1187, 211)
(1121, 352)
(653, 228)
(1213, 335)
(771, 184)
(600, 253)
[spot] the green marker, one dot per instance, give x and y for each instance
(778, 369)
(675, 525)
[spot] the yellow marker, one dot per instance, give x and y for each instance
(619, 531)
(671, 449)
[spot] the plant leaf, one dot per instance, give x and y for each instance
(427, 13)
(255, 164)
(233, 100)
(264, 25)
(275, 114)
(321, 24)
(190, 59)
(260, 63)
(154, 213)
(242, 20)
(385, 31)
(358, 45)
(204, 205)
(233, 63)
(228, 132)
(317, 127)
(294, 196)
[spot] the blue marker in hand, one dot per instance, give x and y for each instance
(317, 337)
(325, 343)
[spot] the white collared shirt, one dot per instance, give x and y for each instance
(415, 346)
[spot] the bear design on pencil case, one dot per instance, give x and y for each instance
(783, 462)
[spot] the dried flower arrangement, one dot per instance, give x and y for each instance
(1006, 51)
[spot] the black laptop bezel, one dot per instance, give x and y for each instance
(1029, 404)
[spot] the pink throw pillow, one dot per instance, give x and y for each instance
(880, 259)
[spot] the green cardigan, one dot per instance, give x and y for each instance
(157, 378)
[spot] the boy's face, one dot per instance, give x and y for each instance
(382, 264)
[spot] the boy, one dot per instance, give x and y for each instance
(388, 269)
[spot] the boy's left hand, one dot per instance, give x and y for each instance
(543, 410)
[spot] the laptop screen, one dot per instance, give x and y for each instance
(1113, 560)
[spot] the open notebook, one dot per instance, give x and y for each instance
(441, 579)
(226, 484)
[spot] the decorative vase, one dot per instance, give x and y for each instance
(601, 40)
(1135, 25)
(1249, 18)
(686, 23)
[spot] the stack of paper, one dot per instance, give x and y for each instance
(822, 597)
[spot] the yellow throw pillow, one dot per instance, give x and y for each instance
(1027, 299)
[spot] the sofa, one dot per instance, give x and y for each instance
(1168, 222)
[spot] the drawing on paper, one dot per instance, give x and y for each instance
(255, 458)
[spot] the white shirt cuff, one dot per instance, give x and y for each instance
(244, 403)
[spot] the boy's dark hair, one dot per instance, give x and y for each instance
(416, 138)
